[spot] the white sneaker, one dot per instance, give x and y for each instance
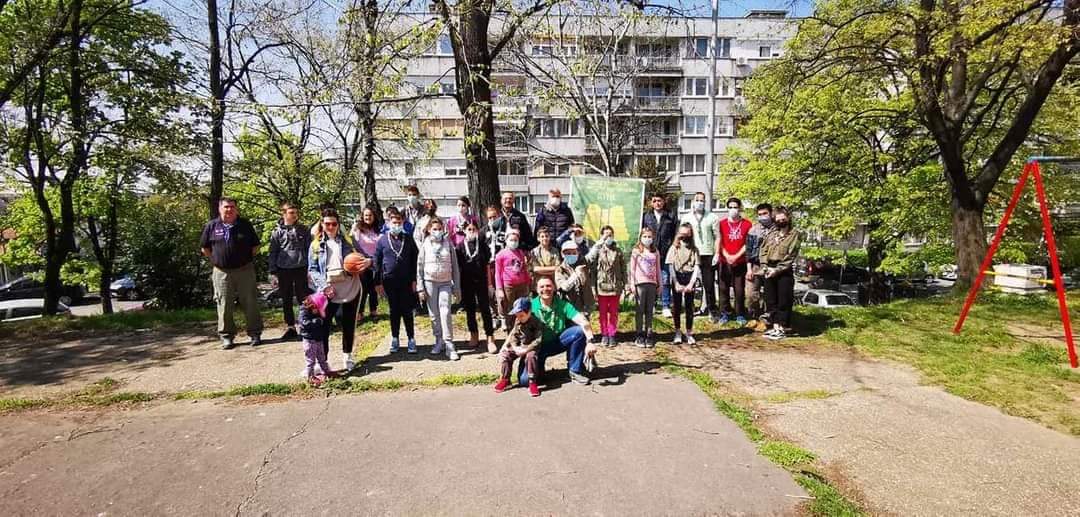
(667, 312)
(451, 353)
(777, 335)
(690, 340)
(349, 364)
(678, 338)
(438, 348)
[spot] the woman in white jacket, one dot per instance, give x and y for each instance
(438, 283)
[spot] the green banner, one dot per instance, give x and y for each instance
(598, 201)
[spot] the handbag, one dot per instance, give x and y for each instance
(335, 275)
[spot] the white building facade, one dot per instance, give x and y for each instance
(669, 87)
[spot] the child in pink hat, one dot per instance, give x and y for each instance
(313, 331)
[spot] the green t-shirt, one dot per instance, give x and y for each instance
(556, 319)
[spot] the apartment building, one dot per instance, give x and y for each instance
(539, 147)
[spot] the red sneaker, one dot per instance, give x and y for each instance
(502, 385)
(316, 380)
(534, 389)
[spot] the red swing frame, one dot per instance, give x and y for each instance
(1032, 170)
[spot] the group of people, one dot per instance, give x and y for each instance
(540, 280)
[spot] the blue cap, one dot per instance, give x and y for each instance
(522, 304)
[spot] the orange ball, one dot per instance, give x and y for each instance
(355, 263)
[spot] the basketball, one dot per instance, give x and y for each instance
(355, 263)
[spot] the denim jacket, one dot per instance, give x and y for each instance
(317, 259)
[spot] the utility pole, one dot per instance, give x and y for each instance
(710, 159)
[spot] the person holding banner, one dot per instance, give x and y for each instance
(704, 225)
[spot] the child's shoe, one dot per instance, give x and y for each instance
(677, 340)
(502, 385)
(690, 340)
(349, 363)
(438, 348)
(534, 390)
(740, 322)
(412, 345)
(316, 380)
(451, 353)
(395, 345)
(492, 348)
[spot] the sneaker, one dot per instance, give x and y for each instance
(290, 335)
(451, 353)
(740, 321)
(227, 343)
(438, 348)
(412, 345)
(534, 390)
(589, 363)
(578, 378)
(777, 335)
(349, 363)
(667, 312)
(491, 347)
(690, 340)
(316, 380)
(640, 342)
(677, 340)
(395, 345)
(650, 340)
(722, 320)
(256, 341)
(502, 385)
(770, 332)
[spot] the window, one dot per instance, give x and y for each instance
(443, 46)
(523, 204)
(410, 169)
(447, 87)
(570, 50)
(512, 169)
(693, 163)
(723, 46)
(557, 128)
(838, 299)
(811, 299)
(764, 51)
(699, 48)
(23, 312)
(542, 49)
(556, 169)
(725, 126)
(667, 163)
(696, 87)
(739, 81)
(455, 172)
(723, 86)
(695, 125)
(546, 128)
(687, 202)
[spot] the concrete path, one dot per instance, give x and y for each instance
(643, 445)
(908, 449)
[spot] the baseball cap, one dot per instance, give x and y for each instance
(319, 300)
(522, 304)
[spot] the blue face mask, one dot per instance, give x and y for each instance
(570, 259)
(396, 229)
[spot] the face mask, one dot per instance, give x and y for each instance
(579, 239)
(554, 202)
(570, 259)
(783, 224)
(396, 229)
(765, 220)
(471, 236)
(512, 244)
(609, 241)
(686, 238)
(733, 212)
(646, 241)
(413, 200)
(437, 234)
(699, 206)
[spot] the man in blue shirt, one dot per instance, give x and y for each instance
(231, 244)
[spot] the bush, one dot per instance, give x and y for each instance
(162, 250)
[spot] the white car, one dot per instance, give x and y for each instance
(826, 299)
(27, 308)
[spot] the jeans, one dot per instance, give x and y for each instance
(474, 297)
(571, 341)
(234, 285)
(402, 301)
(609, 314)
(506, 363)
(708, 283)
(733, 278)
(439, 297)
(292, 286)
(665, 284)
(780, 297)
(646, 304)
(347, 319)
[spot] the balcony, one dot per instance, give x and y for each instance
(657, 143)
(657, 103)
(511, 145)
(513, 180)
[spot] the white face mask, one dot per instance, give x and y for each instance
(437, 234)
(512, 244)
(471, 236)
(579, 239)
(699, 206)
(554, 202)
(413, 200)
(733, 213)
(646, 241)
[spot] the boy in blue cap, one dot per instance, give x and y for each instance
(523, 342)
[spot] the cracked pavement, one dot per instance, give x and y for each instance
(640, 444)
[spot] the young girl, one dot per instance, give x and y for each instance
(512, 280)
(437, 283)
(543, 259)
(455, 226)
(395, 278)
(645, 279)
(610, 281)
(473, 258)
(313, 331)
(682, 261)
(365, 234)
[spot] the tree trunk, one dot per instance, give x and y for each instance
(54, 286)
(367, 128)
(104, 287)
(877, 292)
(969, 236)
(474, 100)
(217, 112)
(484, 188)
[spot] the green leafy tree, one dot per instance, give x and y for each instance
(163, 255)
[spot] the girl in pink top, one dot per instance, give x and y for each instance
(365, 236)
(455, 226)
(512, 278)
(645, 279)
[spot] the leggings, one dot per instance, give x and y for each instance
(609, 314)
(733, 278)
(646, 304)
(439, 296)
(683, 301)
(708, 282)
(779, 297)
(347, 319)
(402, 301)
(474, 297)
(368, 294)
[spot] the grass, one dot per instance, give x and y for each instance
(991, 362)
(791, 396)
(827, 500)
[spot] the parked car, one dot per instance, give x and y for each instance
(126, 288)
(27, 308)
(826, 299)
(27, 287)
(948, 272)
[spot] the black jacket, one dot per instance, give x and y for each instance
(664, 229)
(475, 269)
(556, 221)
(518, 220)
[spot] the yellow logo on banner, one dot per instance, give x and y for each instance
(597, 217)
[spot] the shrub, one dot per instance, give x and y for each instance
(162, 251)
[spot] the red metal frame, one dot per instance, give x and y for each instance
(1031, 169)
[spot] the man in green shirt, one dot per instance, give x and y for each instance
(705, 225)
(565, 330)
